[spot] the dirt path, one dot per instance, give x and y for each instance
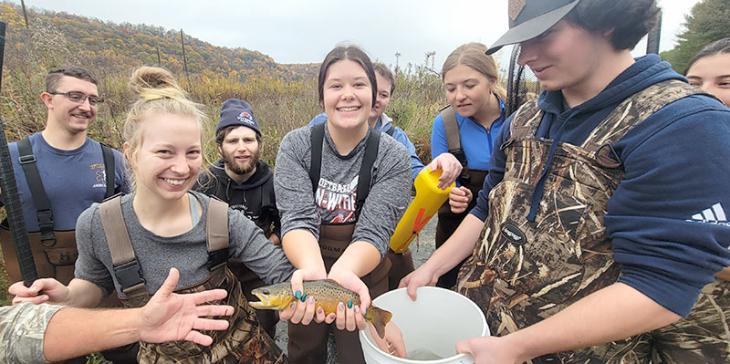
(425, 248)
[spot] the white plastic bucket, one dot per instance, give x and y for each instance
(431, 326)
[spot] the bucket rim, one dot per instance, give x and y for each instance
(485, 332)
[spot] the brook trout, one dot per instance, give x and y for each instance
(327, 294)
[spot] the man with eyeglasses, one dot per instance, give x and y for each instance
(60, 172)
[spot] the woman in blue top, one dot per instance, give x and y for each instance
(476, 112)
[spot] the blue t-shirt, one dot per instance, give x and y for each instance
(383, 124)
(476, 140)
(667, 220)
(72, 179)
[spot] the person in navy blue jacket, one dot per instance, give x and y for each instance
(604, 212)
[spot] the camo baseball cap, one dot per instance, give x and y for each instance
(530, 18)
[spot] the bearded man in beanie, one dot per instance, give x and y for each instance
(246, 183)
(603, 216)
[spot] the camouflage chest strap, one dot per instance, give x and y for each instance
(634, 110)
(630, 113)
(599, 144)
(127, 269)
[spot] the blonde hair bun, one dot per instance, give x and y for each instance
(153, 83)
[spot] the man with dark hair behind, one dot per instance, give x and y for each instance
(604, 211)
(246, 183)
(60, 172)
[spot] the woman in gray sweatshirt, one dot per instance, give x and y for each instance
(341, 188)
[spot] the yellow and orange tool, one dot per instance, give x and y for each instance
(429, 197)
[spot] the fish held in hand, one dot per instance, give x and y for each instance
(327, 294)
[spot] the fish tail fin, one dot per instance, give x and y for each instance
(379, 318)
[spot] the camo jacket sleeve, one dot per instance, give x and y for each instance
(22, 328)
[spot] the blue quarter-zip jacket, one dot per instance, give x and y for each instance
(476, 140)
(667, 219)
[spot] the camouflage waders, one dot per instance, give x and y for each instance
(250, 281)
(244, 341)
(523, 272)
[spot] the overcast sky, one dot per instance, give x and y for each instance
(303, 31)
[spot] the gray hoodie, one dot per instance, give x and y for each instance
(336, 194)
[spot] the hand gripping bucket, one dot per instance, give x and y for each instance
(431, 326)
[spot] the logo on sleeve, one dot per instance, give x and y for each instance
(100, 175)
(712, 215)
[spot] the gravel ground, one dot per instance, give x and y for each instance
(425, 248)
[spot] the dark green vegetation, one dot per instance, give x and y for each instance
(708, 22)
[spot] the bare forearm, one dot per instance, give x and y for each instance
(459, 246)
(83, 293)
(302, 250)
(612, 313)
(360, 257)
(96, 329)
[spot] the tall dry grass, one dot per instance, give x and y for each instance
(280, 106)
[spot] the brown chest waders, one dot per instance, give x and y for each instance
(54, 251)
(472, 179)
(401, 265)
(250, 281)
(308, 344)
(244, 341)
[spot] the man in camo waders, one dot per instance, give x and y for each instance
(604, 213)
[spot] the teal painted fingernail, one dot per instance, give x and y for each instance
(298, 295)
(304, 297)
(349, 304)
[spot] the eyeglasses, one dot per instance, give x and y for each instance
(79, 97)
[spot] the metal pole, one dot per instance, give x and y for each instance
(652, 40)
(514, 80)
(185, 59)
(13, 208)
(25, 14)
